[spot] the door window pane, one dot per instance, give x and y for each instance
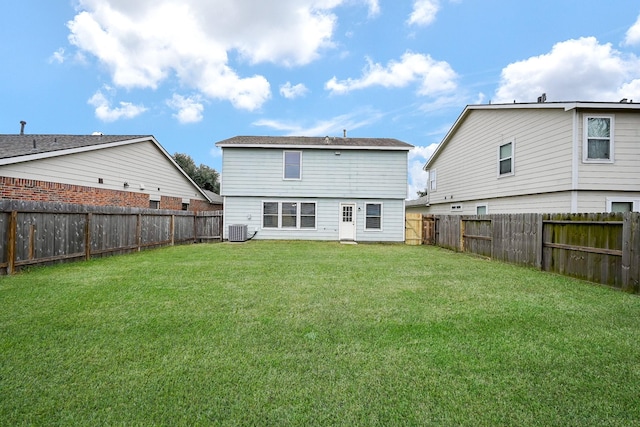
(347, 214)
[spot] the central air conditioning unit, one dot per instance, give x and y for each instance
(237, 232)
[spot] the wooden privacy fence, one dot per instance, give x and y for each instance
(44, 233)
(602, 248)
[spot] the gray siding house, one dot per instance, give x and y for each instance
(556, 157)
(315, 188)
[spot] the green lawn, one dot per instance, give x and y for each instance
(314, 333)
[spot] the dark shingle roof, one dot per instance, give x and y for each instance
(314, 141)
(23, 145)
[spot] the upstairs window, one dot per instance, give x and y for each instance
(373, 217)
(432, 180)
(292, 165)
(598, 139)
(505, 159)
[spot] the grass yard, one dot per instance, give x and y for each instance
(314, 333)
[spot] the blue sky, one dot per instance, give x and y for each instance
(194, 72)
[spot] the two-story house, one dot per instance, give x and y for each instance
(315, 188)
(556, 157)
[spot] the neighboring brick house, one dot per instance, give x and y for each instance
(98, 170)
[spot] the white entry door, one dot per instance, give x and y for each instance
(347, 229)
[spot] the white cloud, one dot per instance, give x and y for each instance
(145, 42)
(329, 127)
(418, 157)
(433, 77)
(57, 56)
(574, 70)
(290, 91)
(189, 109)
(104, 112)
(374, 7)
(633, 34)
(424, 12)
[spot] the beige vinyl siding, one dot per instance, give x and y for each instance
(139, 163)
(468, 167)
(542, 203)
(596, 201)
(352, 173)
(248, 210)
(624, 173)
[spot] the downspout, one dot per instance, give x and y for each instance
(575, 163)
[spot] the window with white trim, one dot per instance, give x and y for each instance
(482, 209)
(505, 159)
(432, 180)
(622, 204)
(598, 139)
(292, 164)
(373, 216)
(289, 215)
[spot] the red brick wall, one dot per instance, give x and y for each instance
(43, 191)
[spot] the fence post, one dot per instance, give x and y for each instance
(462, 229)
(139, 232)
(539, 240)
(172, 229)
(11, 249)
(87, 237)
(630, 239)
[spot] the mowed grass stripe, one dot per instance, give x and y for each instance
(314, 333)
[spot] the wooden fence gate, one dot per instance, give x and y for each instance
(413, 229)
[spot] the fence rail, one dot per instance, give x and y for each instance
(602, 248)
(34, 233)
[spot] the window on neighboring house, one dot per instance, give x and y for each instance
(292, 165)
(505, 159)
(432, 180)
(622, 204)
(482, 209)
(154, 204)
(185, 206)
(289, 215)
(598, 141)
(373, 216)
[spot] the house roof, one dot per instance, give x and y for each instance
(421, 201)
(28, 147)
(623, 105)
(214, 197)
(324, 142)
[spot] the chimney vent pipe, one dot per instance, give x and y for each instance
(22, 123)
(344, 133)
